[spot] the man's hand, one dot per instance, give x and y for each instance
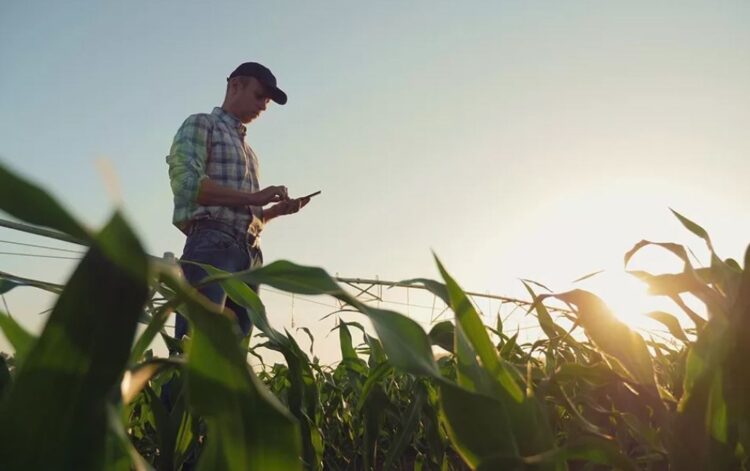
(272, 194)
(285, 207)
(211, 193)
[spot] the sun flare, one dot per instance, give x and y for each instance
(628, 299)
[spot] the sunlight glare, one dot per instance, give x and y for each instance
(628, 299)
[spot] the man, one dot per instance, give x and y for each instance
(218, 202)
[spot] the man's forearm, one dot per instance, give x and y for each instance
(211, 193)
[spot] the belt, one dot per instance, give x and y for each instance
(243, 237)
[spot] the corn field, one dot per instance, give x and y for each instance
(88, 393)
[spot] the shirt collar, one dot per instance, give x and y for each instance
(231, 120)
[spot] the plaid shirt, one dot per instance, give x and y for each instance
(213, 146)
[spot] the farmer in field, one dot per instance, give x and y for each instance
(218, 201)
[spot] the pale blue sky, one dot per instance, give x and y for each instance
(516, 139)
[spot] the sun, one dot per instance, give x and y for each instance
(627, 297)
(630, 301)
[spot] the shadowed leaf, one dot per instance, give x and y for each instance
(82, 350)
(670, 322)
(29, 203)
(611, 335)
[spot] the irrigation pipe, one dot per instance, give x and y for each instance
(52, 234)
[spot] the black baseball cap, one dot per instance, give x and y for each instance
(264, 76)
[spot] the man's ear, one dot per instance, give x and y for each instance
(232, 85)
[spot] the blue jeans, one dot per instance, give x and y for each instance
(216, 244)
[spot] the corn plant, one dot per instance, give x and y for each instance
(88, 393)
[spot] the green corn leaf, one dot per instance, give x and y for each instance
(589, 449)
(699, 427)
(717, 419)
(5, 379)
(597, 374)
(509, 347)
(303, 402)
(7, 285)
(9, 282)
(290, 277)
(550, 329)
(345, 341)
(302, 395)
(376, 374)
(406, 432)
(585, 277)
(688, 280)
(469, 372)
(526, 423)
(121, 455)
(477, 335)
(188, 430)
(694, 228)
(27, 202)
(695, 445)
(135, 380)
(536, 283)
(154, 327)
(174, 428)
(310, 336)
(642, 432)
(676, 249)
(19, 338)
(374, 411)
(668, 284)
(441, 335)
(404, 341)
(611, 335)
(582, 421)
(164, 430)
(249, 427)
(670, 322)
(599, 451)
(469, 417)
(737, 388)
(435, 287)
(75, 364)
(377, 354)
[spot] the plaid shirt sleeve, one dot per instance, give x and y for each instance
(187, 164)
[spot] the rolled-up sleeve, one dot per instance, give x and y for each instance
(187, 165)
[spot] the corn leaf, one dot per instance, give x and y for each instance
(19, 338)
(82, 351)
(476, 333)
(30, 203)
(249, 427)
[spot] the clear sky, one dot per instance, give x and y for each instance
(515, 139)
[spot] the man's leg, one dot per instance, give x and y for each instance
(194, 274)
(243, 318)
(214, 248)
(220, 250)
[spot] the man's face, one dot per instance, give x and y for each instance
(251, 99)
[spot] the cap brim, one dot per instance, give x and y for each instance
(277, 95)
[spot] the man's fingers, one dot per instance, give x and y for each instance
(288, 206)
(291, 206)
